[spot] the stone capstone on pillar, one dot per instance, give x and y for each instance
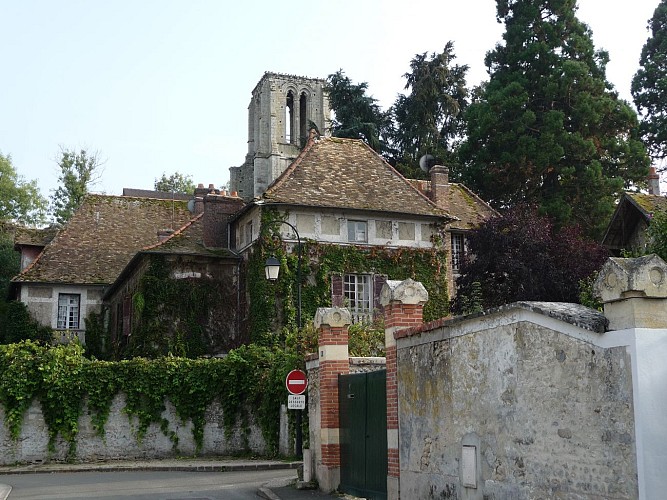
(407, 291)
(633, 292)
(335, 317)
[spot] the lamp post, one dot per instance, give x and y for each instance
(272, 269)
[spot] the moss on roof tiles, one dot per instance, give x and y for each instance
(101, 238)
(188, 240)
(34, 236)
(466, 206)
(346, 173)
(650, 203)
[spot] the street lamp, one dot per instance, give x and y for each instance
(272, 269)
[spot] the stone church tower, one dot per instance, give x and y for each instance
(280, 110)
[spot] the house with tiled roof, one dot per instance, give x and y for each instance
(179, 295)
(340, 193)
(67, 280)
(627, 229)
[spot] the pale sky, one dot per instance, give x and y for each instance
(163, 86)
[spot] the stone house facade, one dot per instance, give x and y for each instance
(66, 282)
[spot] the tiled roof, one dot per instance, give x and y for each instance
(101, 238)
(466, 206)
(34, 237)
(346, 173)
(188, 240)
(648, 203)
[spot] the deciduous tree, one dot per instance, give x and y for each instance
(20, 200)
(79, 170)
(548, 128)
(521, 256)
(175, 183)
(649, 87)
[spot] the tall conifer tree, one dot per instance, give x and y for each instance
(649, 85)
(547, 127)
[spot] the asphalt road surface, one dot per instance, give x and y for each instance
(143, 485)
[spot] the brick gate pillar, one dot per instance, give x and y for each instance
(332, 323)
(403, 303)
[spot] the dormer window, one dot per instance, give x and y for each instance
(357, 231)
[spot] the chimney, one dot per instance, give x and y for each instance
(653, 182)
(163, 234)
(218, 209)
(440, 186)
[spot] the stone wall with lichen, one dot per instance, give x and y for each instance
(552, 415)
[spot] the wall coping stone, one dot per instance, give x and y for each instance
(575, 314)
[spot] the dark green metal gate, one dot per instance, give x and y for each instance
(363, 434)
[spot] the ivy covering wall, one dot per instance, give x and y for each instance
(273, 305)
(250, 378)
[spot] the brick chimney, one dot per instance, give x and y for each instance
(440, 186)
(653, 182)
(217, 210)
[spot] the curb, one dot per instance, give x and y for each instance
(147, 467)
(5, 490)
(266, 493)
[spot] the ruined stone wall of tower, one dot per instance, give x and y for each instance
(274, 142)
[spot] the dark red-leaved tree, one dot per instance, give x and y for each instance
(520, 255)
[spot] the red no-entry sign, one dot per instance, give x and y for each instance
(296, 382)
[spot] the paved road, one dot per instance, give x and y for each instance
(143, 485)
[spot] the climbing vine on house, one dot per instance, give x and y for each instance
(273, 305)
(170, 315)
(250, 378)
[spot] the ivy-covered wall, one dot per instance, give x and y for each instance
(247, 388)
(273, 306)
(181, 305)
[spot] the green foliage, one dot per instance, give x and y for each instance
(367, 339)
(472, 300)
(648, 88)
(357, 116)
(428, 118)
(16, 324)
(657, 235)
(98, 339)
(587, 296)
(170, 315)
(249, 379)
(78, 171)
(548, 127)
(10, 262)
(176, 183)
(20, 200)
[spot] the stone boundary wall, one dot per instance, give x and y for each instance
(542, 414)
(120, 443)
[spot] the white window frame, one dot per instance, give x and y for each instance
(69, 311)
(358, 294)
(458, 250)
(357, 231)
